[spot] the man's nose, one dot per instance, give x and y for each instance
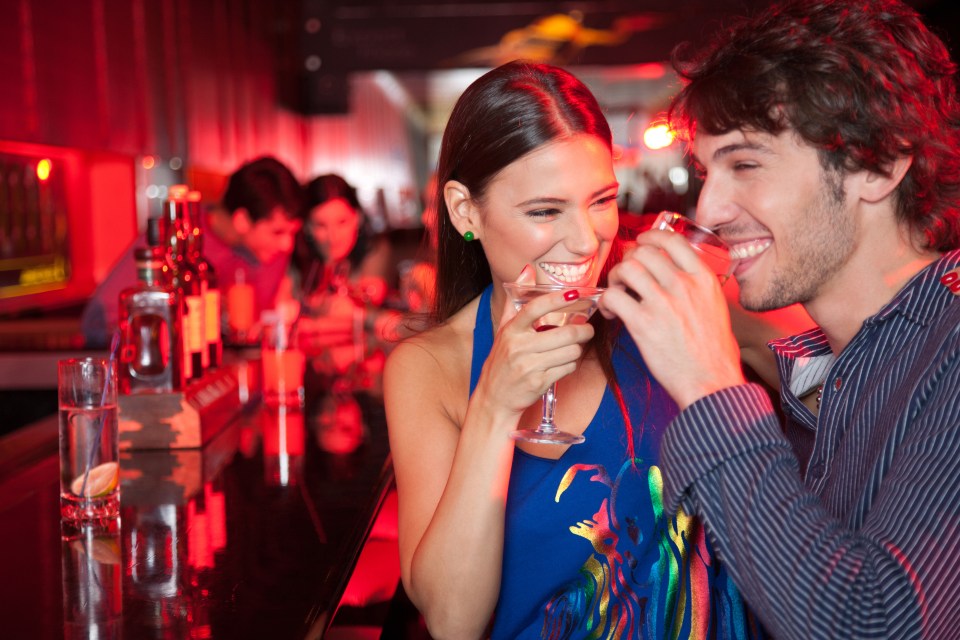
(713, 204)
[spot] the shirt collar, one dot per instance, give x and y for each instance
(921, 300)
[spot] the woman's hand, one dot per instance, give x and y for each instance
(371, 289)
(314, 334)
(523, 361)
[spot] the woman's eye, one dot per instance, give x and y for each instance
(606, 200)
(543, 213)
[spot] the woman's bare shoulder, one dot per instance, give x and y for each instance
(445, 344)
(437, 359)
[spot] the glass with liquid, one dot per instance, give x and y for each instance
(283, 364)
(708, 245)
(89, 441)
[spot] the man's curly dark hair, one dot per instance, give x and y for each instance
(862, 81)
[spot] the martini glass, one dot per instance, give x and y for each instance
(708, 245)
(577, 312)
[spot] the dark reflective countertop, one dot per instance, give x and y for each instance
(252, 536)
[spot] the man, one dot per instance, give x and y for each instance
(827, 133)
(251, 232)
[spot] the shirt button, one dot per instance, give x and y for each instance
(837, 383)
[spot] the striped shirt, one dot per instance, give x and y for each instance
(845, 525)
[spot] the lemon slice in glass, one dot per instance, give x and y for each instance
(102, 479)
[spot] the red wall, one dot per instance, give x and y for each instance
(191, 80)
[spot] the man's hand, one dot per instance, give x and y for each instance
(672, 305)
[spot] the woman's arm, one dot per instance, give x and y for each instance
(452, 458)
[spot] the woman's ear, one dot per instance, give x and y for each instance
(876, 186)
(241, 222)
(463, 212)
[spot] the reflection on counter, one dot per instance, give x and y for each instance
(338, 424)
(283, 446)
(91, 563)
(252, 535)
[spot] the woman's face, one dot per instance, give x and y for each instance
(334, 226)
(556, 209)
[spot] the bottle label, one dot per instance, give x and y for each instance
(213, 315)
(204, 350)
(184, 332)
(196, 338)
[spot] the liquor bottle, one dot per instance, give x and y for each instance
(151, 316)
(185, 278)
(208, 281)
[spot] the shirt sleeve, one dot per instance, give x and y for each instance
(802, 570)
(99, 318)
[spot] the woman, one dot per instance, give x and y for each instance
(513, 539)
(336, 246)
(338, 268)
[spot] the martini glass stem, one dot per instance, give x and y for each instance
(547, 425)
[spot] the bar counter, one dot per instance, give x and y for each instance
(253, 535)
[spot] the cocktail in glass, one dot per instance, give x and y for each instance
(577, 312)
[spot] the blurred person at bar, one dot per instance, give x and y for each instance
(521, 540)
(418, 278)
(248, 237)
(828, 134)
(252, 230)
(338, 274)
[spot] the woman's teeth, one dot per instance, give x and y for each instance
(566, 272)
(749, 249)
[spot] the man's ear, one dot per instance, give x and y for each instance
(241, 221)
(876, 186)
(463, 213)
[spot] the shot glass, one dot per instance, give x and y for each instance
(283, 365)
(89, 453)
(708, 245)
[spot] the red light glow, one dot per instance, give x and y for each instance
(148, 162)
(658, 136)
(43, 169)
(178, 192)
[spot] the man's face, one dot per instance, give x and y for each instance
(785, 216)
(271, 236)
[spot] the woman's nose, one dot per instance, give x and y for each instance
(582, 238)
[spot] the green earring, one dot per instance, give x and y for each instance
(468, 236)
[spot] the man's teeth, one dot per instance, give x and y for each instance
(566, 272)
(749, 249)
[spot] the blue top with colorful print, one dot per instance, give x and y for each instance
(588, 551)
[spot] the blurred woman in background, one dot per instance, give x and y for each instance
(338, 275)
